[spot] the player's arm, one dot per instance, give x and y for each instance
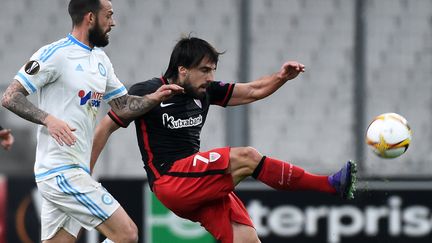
(244, 93)
(103, 131)
(128, 107)
(15, 100)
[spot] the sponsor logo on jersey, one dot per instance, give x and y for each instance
(172, 123)
(32, 67)
(93, 98)
(102, 70)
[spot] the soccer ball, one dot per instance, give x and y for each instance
(389, 135)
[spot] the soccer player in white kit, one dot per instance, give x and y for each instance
(72, 76)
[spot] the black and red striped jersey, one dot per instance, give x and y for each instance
(171, 130)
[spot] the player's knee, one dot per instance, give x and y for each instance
(133, 234)
(247, 238)
(245, 234)
(130, 234)
(252, 238)
(246, 153)
(250, 154)
(247, 158)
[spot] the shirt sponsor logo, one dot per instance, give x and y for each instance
(172, 123)
(32, 67)
(93, 98)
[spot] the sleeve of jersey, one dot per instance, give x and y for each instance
(220, 93)
(114, 88)
(41, 69)
(139, 89)
(118, 120)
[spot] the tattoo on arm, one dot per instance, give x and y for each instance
(15, 100)
(119, 103)
(130, 106)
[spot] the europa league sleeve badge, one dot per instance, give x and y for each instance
(32, 67)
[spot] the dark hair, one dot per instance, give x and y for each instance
(78, 8)
(189, 52)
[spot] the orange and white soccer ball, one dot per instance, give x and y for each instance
(389, 135)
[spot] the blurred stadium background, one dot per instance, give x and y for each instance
(363, 58)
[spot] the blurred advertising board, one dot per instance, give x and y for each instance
(162, 225)
(383, 212)
(23, 207)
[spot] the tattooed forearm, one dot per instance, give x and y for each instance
(15, 100)
(140, 104)
(119, 103)
(130, 107)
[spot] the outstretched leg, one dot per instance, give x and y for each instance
(281, 175)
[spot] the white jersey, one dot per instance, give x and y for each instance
(71, 80)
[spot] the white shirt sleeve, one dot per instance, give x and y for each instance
(114, 88)
(38, 71)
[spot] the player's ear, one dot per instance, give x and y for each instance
(182, 70)
(90, 17)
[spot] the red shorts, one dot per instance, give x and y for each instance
(199, 189)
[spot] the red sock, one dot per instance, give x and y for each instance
(282, 175)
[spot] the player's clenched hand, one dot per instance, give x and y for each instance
(165, 92)
(60, 131)
(290, 70)
(6, 138)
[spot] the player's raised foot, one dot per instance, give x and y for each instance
(344, 181)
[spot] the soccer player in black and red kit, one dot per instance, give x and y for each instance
(199, 185)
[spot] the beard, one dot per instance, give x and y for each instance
(190, 90)
(97, 37)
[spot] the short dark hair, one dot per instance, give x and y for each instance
(78, 8)
(189, 52)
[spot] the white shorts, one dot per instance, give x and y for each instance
(73, 199)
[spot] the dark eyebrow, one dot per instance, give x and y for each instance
(207, 68)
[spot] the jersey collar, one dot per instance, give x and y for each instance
(74, 40)
(163, 80)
